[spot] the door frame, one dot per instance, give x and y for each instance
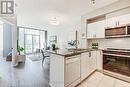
(32, 42)
(12, 20)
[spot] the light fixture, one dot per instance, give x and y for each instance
(93, 2)
(54, 21)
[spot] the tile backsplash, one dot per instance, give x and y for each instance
(119, 43)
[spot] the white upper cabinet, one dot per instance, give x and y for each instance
(100, 32)
(118, 21)
(118, 18)
(96, 29)
(91, 30)
(111, 22)
(124, 19)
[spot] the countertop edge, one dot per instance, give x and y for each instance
(74, 53)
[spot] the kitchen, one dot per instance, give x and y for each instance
(105, 49)
(87, 44)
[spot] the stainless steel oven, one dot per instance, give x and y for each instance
(117, 60)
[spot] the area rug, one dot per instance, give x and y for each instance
(35, 58)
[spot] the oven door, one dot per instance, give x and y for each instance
(118, 64)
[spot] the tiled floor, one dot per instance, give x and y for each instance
(100, 80)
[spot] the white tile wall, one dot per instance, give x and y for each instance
(122, 43)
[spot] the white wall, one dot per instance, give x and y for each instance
(1, 40)
(12, 20)
(63, 35)
(7, 39)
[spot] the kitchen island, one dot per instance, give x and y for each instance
(69, 67)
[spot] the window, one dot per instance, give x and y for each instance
(31, 39)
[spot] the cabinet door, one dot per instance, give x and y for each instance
(84, 65)
(111, 22)
(91, 30)
(124, 19)
(99, 60)
(100, 30)
(92, 61)
(96, 30)
(72, 70)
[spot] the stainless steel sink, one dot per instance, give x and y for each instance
(78, 49)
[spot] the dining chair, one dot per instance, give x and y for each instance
(44, 56)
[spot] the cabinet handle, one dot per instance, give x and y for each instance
(94, 35)
(89, 54)
(118, 23)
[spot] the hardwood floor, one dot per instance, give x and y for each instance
(30, 74)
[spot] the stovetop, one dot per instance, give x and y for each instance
(117, 50)
(125, 52)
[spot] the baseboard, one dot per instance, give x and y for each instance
(117, 76)
(101, 71)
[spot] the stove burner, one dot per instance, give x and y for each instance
(118, 49)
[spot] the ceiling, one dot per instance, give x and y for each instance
(68, 12)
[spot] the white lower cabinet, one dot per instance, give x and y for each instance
(84, 65)
(88, 63)
(92, 61)
(99, 61)
(79, 67)
(72, 71)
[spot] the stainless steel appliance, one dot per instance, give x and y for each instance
(117, 60)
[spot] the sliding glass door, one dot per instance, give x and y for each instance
(31, 39)
(32, 42)
(28, 43)
(36, 42)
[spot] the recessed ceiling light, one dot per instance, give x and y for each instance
(54, 21)
(93, 2)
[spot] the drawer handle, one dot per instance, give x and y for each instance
(89, 54)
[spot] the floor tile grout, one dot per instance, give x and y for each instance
(114, 83)
(100, 82)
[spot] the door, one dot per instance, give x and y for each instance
(28, 44)
(84, 65)
(99, 60)
(36, 42)
(100, 29)
(96, 30)
(92, 61)
(91, 30)
(32, 42)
